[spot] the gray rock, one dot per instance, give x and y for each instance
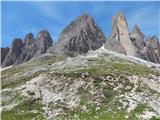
(114, 46)
(80, 36)
(154, 43)
(133, 43)
(43, 42)
(28, 50)
(13, 53)
(33, 47)
(4, 52)
(29, 39)
(120, 36)
(153, 49)
(146, 49)
(137, 38)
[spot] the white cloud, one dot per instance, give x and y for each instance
(146, 18)
(49, 9)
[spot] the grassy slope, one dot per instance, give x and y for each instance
(105, 67)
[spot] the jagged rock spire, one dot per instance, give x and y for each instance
(137, 38)
(79, 36)
(43, 41)
(120, 34)
(14, 52)
(136, 29)
(36, 47)
(29, 39)
(4, 52)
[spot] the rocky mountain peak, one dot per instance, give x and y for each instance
(29, 39)
(79, 36)
(137, 38)
(136, 29)
(43, 33)
(120, 21)
(34, 47)
(120, 35)
(43, 41)
(17, 45)
(14, 52)
(85, 18)
(154, 42)
(81, 22)
(4, 52)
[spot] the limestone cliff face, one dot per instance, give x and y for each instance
(79, 36)
(146, 49)
(28, 50)
(4, 52)
(21, 52)
(34, 47)
(82, 35)
(43, 42)
(13, 53)
(133, 43)
(153, 49)
(120, 36)
(137, 38)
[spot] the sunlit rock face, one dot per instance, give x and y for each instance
(13, 53)
(79, 36)
(43, 41)
(34, 47)
(120, 36)
(133, 43)
(153, 49)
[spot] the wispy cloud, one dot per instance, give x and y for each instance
(147, 18)
(19, 18)
(49, 9)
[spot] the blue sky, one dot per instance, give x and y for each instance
(20, 18)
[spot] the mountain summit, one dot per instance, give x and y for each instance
(79, 36)
(120, 36)
(134, 43)
(82, 35)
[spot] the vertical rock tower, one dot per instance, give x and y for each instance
(120, 36)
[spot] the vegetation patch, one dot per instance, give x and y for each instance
(19, 81)
(26, 110)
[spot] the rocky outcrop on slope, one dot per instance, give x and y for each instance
(13, 53)
(139, 42)
(22, 52)
(43, 42)
(120, 36)
(29, 39)
(28, 50)
(146, 49)
(154, 44)
(80, 36)
(36, 47)
(137, 38)
(4, 52)
(134, 43)
(153, 49)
